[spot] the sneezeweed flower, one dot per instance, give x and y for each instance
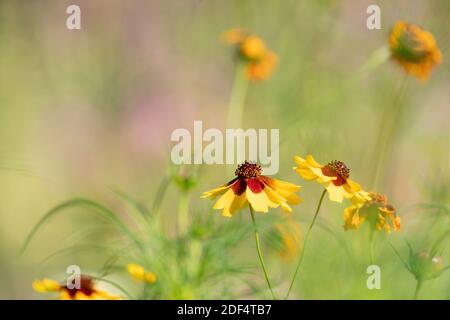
(415, 49)
(87, 290)
(334, 176)
(139, 273)
(259, 61)
(251, 187)
(377, 211)
(260, 193)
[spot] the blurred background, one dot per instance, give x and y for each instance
(85, 112)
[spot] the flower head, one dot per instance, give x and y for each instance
(377, 211)
(251, 187)
(139, 273)
(86, 291)
(259, 61)
(414, 49)
(334, 176)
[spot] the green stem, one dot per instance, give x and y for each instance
(376, 59)
(238, 94)
(388, 124)
(418, 287)
(300, 259)
(183, 213)
(258, 248)
(371, 237)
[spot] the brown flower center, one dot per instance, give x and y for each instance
(86, 286)
(339, 169)
(248, 170)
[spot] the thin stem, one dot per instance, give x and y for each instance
(371, 237)
(183, 213)
(418, 287)
(387, 124)
(300, 259)
(258, 248)
(238, 95)
(376, 59)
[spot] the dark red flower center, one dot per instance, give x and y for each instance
(337, 169)
(86, 287)
(248, 170)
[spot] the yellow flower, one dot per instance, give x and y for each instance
(414, 49)
(263, 68)
(253, 48)
(377, 211)
(139, 273)
(259, 61)
(287, 237)
(87, 290)
(46, 285)
(251, 187)
(334, 177)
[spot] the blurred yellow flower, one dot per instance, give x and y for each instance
(263, 68)
(259, 61)
(46, 285)
(87, 290)
(334, 177)
(253, 48)
(289, 236)
(251, 187)
(376, 211)
(139, 273)
(414, 49)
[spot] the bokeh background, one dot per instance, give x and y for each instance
(85, 112)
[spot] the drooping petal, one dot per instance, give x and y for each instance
(225, 200)
(259, 201)
(237, 203)
(335, 193)
(215, 192)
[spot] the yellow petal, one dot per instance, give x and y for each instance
(215, 192)
(313, 163)
(225, 200)
(335, 193)
(237, 203)
(46, 285)
(136, 271)
(259, 201)
(306, 174)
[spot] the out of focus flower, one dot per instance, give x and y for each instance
(185, 178)
(414, 49)
(376, 211)
(259, 61)
(334, 177)
(285, 238)
(87, 290)
(251, 187)
(139, 273)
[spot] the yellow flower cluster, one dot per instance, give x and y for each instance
(377, 212)
(259, 61)
(252, 188)
(139, 273)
